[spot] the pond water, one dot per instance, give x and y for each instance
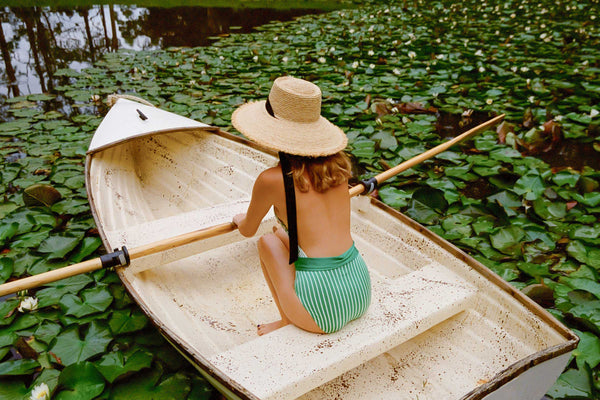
(36, 41)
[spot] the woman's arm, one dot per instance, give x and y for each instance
(264, 193)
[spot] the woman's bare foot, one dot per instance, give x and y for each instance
(263, 329)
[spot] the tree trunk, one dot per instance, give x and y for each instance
(10, 71)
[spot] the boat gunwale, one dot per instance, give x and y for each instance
(501, 378)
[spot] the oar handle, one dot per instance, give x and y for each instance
(50, 276)
(360, 188)
(96, 263)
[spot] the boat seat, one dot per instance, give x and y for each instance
(288, 362)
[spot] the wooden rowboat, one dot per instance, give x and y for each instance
(441, 325)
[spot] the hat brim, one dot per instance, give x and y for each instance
(313, 139)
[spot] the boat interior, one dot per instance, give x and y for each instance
(437, 327)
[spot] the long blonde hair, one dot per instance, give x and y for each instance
(322, 173)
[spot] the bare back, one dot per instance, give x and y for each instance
(323, 219)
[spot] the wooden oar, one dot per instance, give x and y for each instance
(122, 257)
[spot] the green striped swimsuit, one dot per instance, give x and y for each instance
(334, 290)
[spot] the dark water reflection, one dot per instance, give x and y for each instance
(36, 41)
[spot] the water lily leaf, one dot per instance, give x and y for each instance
(567, 178)
(6, 311)
(7, 231)
(92, 300)
(549, 209)
(201, 389)
(572, 384)
(6, 268)
(431, 197)
(41, 195)
(508, 240)
(55, 290)
(12, 389)
(70, 349)
(393, 197)
(116, 364)
(57, 246)
(582, 284)
(422, 213)
(588, 349)
(88, 246)
(585, 254)
(585, 232)
(18, 367)
(80, 382)
(6, 208)
(47, 331)
(12, 127)
(71, 206)
(588, 311)
(146, 386)
(386, 140)
(530, 186)
(125, 321)
(31, 239)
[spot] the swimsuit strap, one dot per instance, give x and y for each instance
(290, 205)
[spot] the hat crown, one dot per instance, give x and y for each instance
(295, 100)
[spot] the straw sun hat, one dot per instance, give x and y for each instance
(290, 120)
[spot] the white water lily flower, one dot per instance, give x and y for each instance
(393, 53)
(40, 392)
(28, 304)
(528, 81)
(276, 38)
(513, 15)
(524, 69)
(255, 58)
(489, 101)
(284, 59)
(479, 53)
(397, 71)
(355, 64)
(514, 69)
(371, 52)
(412, 54)
(440, 56)
(531, 99)
(594, 112)
(332, 49)
(321, 60)
(558, 118)
(371, 66)
(481, 69)
(351, 31)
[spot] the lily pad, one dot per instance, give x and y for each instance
(80, 382)
(41, 195)
(70, 349)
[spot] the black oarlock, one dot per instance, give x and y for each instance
(369, 184)
(118, 258)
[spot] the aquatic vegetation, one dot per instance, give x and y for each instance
(523, 199)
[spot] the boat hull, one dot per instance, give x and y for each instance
(441, 324)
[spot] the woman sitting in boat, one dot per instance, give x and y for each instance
(318, 279)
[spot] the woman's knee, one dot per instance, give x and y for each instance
(269, 243)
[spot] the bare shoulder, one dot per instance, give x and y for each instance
(270, 178)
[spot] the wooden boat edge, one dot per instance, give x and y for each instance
(478, 393)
